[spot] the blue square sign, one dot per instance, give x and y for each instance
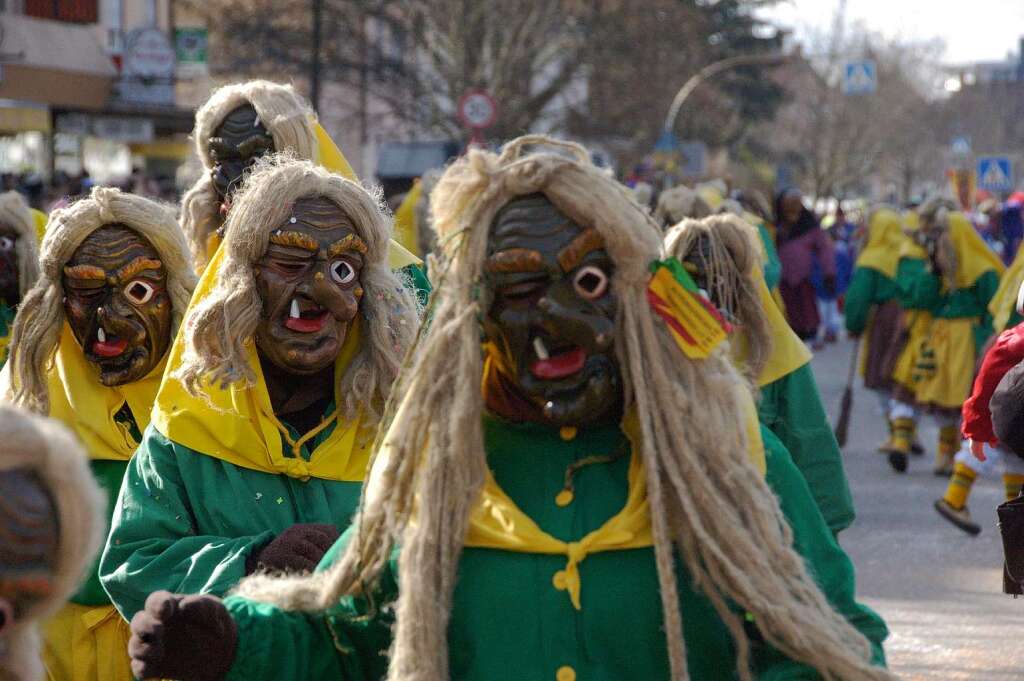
(995, 173)
(860, 77)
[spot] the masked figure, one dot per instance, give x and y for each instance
(264, 425)
(872, 309)
(555, 464)
(88, 349)
(51, 526)
(724, 254)
(19, 260)
(946, 278)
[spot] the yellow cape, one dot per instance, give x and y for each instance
(329, 156)
(974, 257)
(238, 425)
(40, 218)
(87, 407)
(885, 239)
(407, 228)
(1004, 302)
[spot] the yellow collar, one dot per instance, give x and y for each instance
(789, 353)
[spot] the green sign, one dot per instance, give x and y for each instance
(190, 44)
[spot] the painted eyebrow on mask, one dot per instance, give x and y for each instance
(570, 257)
(515, 260)
(295, 240)
(85, 272)
(138, 265)
(351, 242)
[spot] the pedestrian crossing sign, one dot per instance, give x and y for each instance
(995, 173)
(860, 77)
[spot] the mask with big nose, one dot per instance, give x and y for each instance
(116, 303)
(550, 324)
(309, 282)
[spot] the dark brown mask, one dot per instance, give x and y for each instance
(551, 320)
(29, 540)
(10, 291)
(117, 304)
(309, 282)
(237, 143)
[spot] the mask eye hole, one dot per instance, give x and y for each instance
(6, 243)
(342, 272)
(139, 292)
(590, 282)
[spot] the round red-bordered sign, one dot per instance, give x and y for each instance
(477, 110)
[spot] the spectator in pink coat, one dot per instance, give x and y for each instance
(801, 242)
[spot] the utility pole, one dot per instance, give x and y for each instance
(314, 72)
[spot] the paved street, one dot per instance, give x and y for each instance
(938, 589)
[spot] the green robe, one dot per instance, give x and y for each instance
(6, 322)
(868, 288)
(772, 265)
(509, 622)
(187, 522)
(791, 408)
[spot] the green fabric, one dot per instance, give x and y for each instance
(772, 264)
(791, 408)
(510, 623)
(417, 277)
(920, 289)
(109, 475)
(868, 288)
(186, 522)
(6, 322)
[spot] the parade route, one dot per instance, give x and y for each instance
(938, 589)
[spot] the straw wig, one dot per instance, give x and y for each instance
(709, 505)
(37, 327)
(283, 112)
(224, 324)
(14, 211)
(47, 448)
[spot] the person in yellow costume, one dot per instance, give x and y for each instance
(19, 259)
(1003, 308)
(946, 278)
(265, 421)
(236, 126)
(88, 348)
(725, 254)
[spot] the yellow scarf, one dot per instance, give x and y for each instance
(407, 228)
(497, 523)
(885, 239)
(974, 257)
(86, 406)
(788, 352)
(1004, 302)
(238, 424)
(329, 156)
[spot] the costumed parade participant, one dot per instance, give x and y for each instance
(88, 348)
(946, 278)
(550, 437)
(19, 259)
(982, 450)
(263, 426)
(239, 124)
(873, 312)
(51, 527)
(801, 242)
(724, 255)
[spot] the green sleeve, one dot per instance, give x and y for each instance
(349, 642)
(918, 288)
(791, 408)
(772, 264)
(860, 296)
(153, 542)
(984, 290)
(826, 561)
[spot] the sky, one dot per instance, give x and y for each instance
(978, 30)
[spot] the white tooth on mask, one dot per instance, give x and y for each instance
(101, 335)
(295, 314)
(540, 349)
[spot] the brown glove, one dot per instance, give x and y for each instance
(188, 638)
(297, 549)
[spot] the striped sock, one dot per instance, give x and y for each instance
(959, 487)
(1013, 483)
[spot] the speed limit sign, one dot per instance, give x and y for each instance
(477, 110)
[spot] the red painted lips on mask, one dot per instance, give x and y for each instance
(307, 324)
(112, 347)
(561, 365)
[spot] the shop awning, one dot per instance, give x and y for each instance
(18, 117)
(168, 149)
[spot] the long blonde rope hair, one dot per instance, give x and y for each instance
(709, 505)
(37, 327)
(286, 116)
(225, 322)
(14, 211)
(733, 265)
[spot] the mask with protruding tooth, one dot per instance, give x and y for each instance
(295, 311)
